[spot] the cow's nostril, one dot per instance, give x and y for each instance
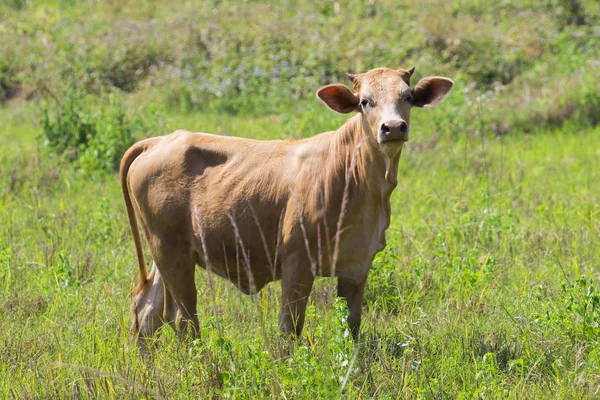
(403, 127)
(385, 129)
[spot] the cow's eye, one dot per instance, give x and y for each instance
(364, 102)
(408, 98)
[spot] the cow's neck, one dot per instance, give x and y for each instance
(373, 177)
(371, 170)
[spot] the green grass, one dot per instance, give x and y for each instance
(489, 286)
(476, 295)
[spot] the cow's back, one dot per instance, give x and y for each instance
(223, 197)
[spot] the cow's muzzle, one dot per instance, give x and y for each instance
(393, 131)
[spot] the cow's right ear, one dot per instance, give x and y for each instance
(339, 98)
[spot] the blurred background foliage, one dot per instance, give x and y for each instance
(526, 63)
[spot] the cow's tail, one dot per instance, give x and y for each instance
(128, 158)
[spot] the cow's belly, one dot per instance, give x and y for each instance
(247, 281)
(234, 243)
(240, 261)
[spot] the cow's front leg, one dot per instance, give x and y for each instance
(353, 293)
(296, 284)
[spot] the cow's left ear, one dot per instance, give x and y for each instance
(339, 98)
(430, 91)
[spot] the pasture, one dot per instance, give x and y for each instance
(488, 287)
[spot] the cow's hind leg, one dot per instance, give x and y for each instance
(147, 306)
(177, 269)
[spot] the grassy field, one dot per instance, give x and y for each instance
(488, 288)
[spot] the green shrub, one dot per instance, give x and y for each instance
(582, 301)
(16, 4)
(125, 67)
(8, 79)
(64, 273)
(113, 136)
(94, 131)
(470, 56)
(68, 130)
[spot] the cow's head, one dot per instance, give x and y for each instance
(384, 98)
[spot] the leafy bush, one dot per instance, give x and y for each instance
(582, 300)
(112, 137)
(575, 309)
(128, 64)
(69, 129)
(94, 131)
(64, 273)
(8, 80)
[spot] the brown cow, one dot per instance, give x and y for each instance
(257, 211)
